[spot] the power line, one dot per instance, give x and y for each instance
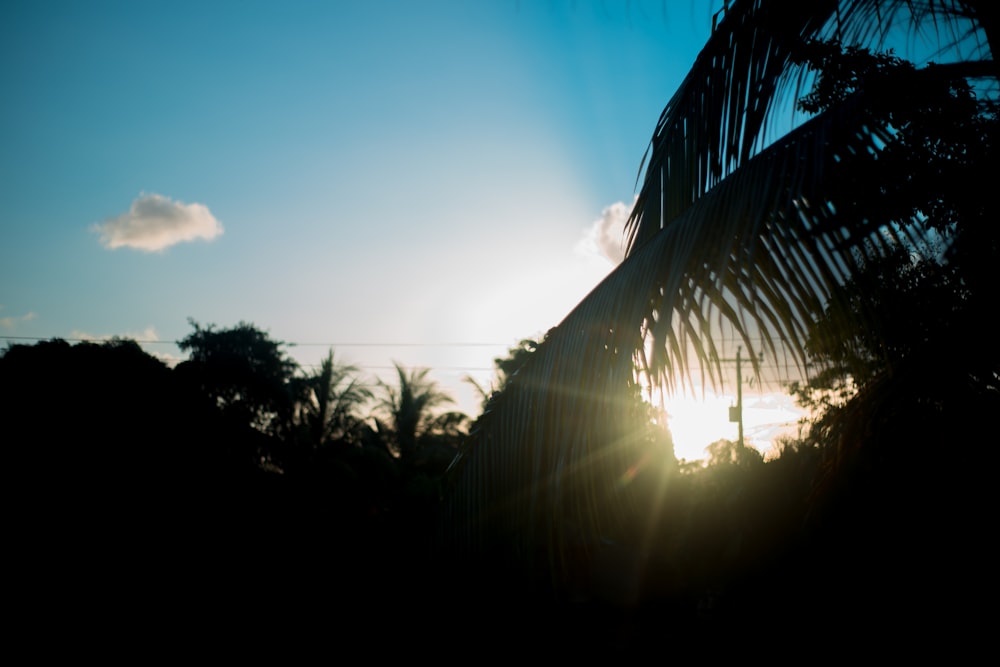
(766, 368)
(723, 340)
(91, 339)
(105, 339)
(392, 368)
(763, 363)
(443, 344)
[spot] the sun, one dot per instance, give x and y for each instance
(697, 422)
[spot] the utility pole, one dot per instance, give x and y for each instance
(736, 411)
(739, 391)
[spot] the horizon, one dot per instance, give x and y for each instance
(463, 178)
(695, 421)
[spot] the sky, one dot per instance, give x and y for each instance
(423, 181)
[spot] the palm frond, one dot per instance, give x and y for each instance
(738, 231)
(721, 118)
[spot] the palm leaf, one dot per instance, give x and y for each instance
(772, 245)
(738, 232)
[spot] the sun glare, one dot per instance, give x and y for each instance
(697, 422)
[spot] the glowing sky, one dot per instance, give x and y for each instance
(413, 172)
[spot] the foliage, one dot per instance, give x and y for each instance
(513, 508)
(113, 466)
(248, 378)
(739, 231)
(333, 395)
(506, 367)
(758, 230)
(700, 553)
(919, 302)
(727, 452)
(409, 408)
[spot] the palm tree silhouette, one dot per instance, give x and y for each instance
(335, 393)
(740, 235)
(409, 407)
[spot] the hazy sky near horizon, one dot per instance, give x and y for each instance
(421, 173)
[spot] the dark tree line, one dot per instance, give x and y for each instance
(233, 483)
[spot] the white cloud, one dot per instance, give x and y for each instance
(147, 335)
(12, 321)
(147, 340)
(154, 223)
(606, 236)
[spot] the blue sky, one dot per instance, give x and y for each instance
(378, 171)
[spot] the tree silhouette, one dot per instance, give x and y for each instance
(409, 407)
(919, 301)
(727, 452)
(115, 480)
(333, 395)
(247, 377)
(506, 367)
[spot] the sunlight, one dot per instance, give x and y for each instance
(697, 422)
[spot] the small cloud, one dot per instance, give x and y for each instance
(147, 335)
(606, 236)
(147, 340)
(154, 223)
(11, 321)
